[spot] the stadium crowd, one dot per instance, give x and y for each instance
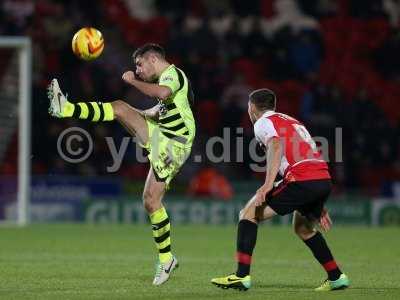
(331, 63)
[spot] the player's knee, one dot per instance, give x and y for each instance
(148, 201)
(119, 108)
(246, 214)
(304, 232)
(241, 214)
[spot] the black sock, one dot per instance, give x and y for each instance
(246, 241)
(320, 249)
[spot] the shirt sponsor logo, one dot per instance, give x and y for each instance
(167, 78)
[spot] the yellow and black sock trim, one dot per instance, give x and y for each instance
(161, 233)
(93, 111)
(161, 239)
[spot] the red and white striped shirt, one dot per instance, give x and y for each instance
(301, 160)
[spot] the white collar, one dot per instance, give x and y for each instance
(268, 113)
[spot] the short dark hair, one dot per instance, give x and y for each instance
(263, 99)
(150, 47)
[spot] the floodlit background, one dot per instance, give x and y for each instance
(333, 64)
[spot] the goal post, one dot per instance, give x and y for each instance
(23, 46)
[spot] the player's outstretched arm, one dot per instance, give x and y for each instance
(149, 89)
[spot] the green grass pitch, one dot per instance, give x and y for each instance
(66, 261)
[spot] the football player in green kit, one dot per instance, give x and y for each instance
(166, 131)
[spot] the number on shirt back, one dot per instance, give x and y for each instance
(305, 135)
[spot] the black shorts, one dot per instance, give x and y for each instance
(307, 197)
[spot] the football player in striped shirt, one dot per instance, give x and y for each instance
(166, 131)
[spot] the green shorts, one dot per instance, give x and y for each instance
(166, 155)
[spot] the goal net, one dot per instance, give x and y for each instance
(15, 126)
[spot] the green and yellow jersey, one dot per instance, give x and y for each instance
(176, 119)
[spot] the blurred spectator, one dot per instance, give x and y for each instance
(236, 94)
(288, 14)
(305, 53)
(17, 15)
(142, 10)
(58, 27)
(387, 59)
(392, 9)
(246, 8)
(255, 44)
(208, 182)
(329, 62)
(319, 8)
(366, 8)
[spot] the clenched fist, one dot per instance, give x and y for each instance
(128, 76)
